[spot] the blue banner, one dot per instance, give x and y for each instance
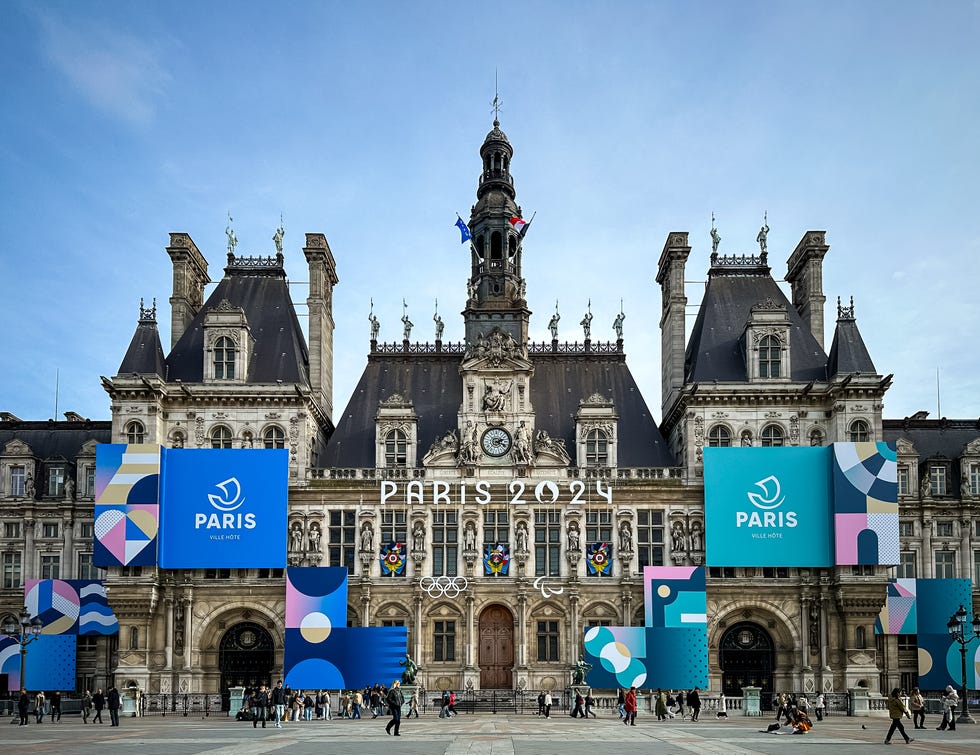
(223, 508)
(768, 506)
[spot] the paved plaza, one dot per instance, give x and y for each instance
(480, 734)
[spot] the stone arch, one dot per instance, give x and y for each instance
(217, 621)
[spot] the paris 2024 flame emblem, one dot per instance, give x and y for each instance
(766, 504)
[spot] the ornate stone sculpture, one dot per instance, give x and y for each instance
(278, 236)
(230, 233)
(418, 537)
(522, 445)
(367, 537)
(715, 236)
(625, 536)
(763, 233)
(618, 325)
(411, 670)
(407, 329)
(375, 326)
(587, 325)
(553, 323)
(29, 487)
(495, 395)
(469, 537)
(469, 453)
(439, 326)
(296, 537)
(677, 537)
(521, 538)
(69, 489)
(314, 537)
(574, 541)
(697, 536)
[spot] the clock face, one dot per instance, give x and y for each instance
(496, 441)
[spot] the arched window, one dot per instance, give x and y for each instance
(221, 437)
(134, 638)
(772, 436)
(859, 432)
(396, 449)
(769, 356)
(816, 438)
(224, 359)
(511, 246)
(135, 432)
(719, 437)
(274, 438)
(596, 449)
(496, 246)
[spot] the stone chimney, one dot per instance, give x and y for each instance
(190, 278)
(805, 275)
(670, 276)
(323, 277)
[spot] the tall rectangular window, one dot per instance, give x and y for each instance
(905, 529)
(548, 641)
(87, 531)
(18, 479)
(937, 479)
(496, 526)
(547, 542)
(975, 479)
(944, 529)
(11, 571)
(650, 538)
(56, 480)
(394, 526)
(89, 481)
(445, 543)
(11, 529)
(50, 566)
(907, 565)
(945, 564)
(49, 530)
(976, 567)
(903, 479)
(86, 569)
(598, 526)
(342, 539)
(444, 640)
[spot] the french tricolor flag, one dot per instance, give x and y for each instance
(520, 225)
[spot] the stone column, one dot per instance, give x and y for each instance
(926, 559)
(168, 647)
(470, 635)
(366, 606)
(805, 633)
(189, 638)
(30, 565)
(522, 629)
(68, 525)
(417, 650)
(966, 554)
(826, 672)
(574, 640)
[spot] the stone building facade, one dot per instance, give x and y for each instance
(449, 448)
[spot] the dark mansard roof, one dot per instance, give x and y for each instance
(433, 384)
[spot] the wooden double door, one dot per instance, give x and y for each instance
(496, 648)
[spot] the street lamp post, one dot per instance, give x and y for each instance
(25, 630)
(957, 630)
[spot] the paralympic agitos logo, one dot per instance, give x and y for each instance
(226, 516)
(767, 502)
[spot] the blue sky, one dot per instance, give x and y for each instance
(124, 121)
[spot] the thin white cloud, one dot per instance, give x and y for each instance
(115, 71)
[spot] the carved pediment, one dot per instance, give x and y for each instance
(496, 350)
(906, 448)
(17, 447)
(396, 400)
(88, 448)
(972, 448)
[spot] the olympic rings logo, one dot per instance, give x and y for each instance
(444, 587)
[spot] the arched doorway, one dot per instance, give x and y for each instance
(496, 648)
(747, 658)
(246, 658)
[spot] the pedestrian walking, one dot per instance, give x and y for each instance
(413, 705)
(679, 698)
(577, 710)
(917, 703)
(897, 709)
(950, 702)
(112, 703)
(589, 703)
(621, 702)
(541, 703)
(86, 706)
(819, 704)
(694, 703)
(395, 699)
(629, 706)
(260, 706)
(277, 701)
(56, 706)
(547, 704)
(660, 705)
(98, 702)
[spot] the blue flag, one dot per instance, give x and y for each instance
(464, 232)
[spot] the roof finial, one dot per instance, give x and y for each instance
(496, 100)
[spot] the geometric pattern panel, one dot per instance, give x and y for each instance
(127, 520)
(70, 606)
(937, 600)
(674, 596)
(940, 659)
(321, 651)
(865, 504)
(679, 659)
(10, 663)
(617, 655)
(51, 662)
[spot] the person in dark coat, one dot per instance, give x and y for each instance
(98, 702)
(56, 706)
(23, 703)
(395, 699)
(260, 706)
(694, 703)
(112, 703)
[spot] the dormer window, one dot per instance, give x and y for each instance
(719, 436)
(221, 437)
(274, 437)
(859, 432)
(596, 449)
(937, 479)
(396, 449)
(224, 359)
(772, 436)
(769, 357)
(135, 432)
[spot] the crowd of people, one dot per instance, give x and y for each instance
(281, 704)
(50, 705)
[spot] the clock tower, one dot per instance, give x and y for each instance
(496, 419)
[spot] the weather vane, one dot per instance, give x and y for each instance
(496, 100)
